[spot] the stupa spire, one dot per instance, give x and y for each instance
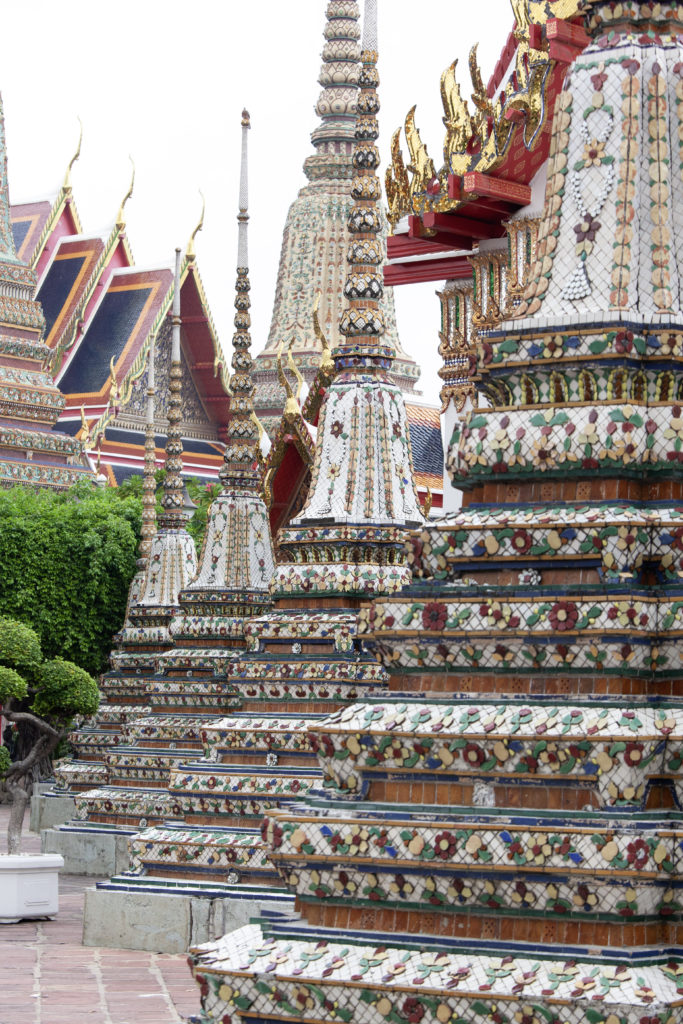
(172, 561)
(8, 251)
(240, 465)
(149, 482)
(336, 106)
(363, 466)
(316, 235)
(172, 500)
(236, 563)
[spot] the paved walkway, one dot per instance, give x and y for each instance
(48, 977)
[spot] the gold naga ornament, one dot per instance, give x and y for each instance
(477, 139)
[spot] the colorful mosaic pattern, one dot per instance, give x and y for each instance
(460, 863)
(631, 632)
(299, 980)
(203, 852)
(620, 536)
(618, 749)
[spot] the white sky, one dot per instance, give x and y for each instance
(166, 81)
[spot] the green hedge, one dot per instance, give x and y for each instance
(66, 562)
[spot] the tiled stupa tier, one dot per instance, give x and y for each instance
(603, 755)
(274, 973)
(585, 879)
(218, 855)
(32, 452)
(605, 638)
(499, 837)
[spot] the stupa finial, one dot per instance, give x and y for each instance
(66, 184)
(240, 467)
(120, 221)
(7, 248)
(350, 480)
(362, 324)
(369, 43)
(336, 106)
(148, 481)
(174, 513)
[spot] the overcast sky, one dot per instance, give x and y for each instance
(166, 81)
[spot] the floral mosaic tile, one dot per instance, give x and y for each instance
(277, 734)
(632, 631)
(618, 749)
(117, 801)
(69, 774)
(479, 864)
(621, 537)
(213, 851)
(283, 978)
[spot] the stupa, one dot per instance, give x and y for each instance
(504, 845)
(32, 453)
(303, 659)
(316, 234)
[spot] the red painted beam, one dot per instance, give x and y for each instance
(400, 246)
(497, 188)
(567, 32)
(566, 40)
(454, 240)
(454, 269)
(454, 223)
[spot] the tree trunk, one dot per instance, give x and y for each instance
(16, 817)
(27, 738)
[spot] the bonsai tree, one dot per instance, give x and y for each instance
(39, 699)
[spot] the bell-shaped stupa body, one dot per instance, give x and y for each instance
(609, 242)
(316, 234)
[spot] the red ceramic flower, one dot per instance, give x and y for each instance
(521, 541)
(563, 615)
(434, 616)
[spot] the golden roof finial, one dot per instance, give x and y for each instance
(291, 408)
(326, 360)
(421, 164)
(190, 251)
(114, 391)
(429, 498)
(66, 184)
(295, 369)
(119, 217)
(86, 437)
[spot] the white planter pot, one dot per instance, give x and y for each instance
(29, 886)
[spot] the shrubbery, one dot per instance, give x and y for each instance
(66, 562)
(40, 699)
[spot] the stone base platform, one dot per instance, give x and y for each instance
(49, 809)
(88, 849)
(136, 914)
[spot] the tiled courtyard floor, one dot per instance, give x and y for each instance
(48, 977)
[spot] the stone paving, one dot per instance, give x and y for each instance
(48, 977)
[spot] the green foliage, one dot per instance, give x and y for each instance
(63, 690)
(12, 685)
(19, 644)
(202, 494)
(5, 761)
(66, 562)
